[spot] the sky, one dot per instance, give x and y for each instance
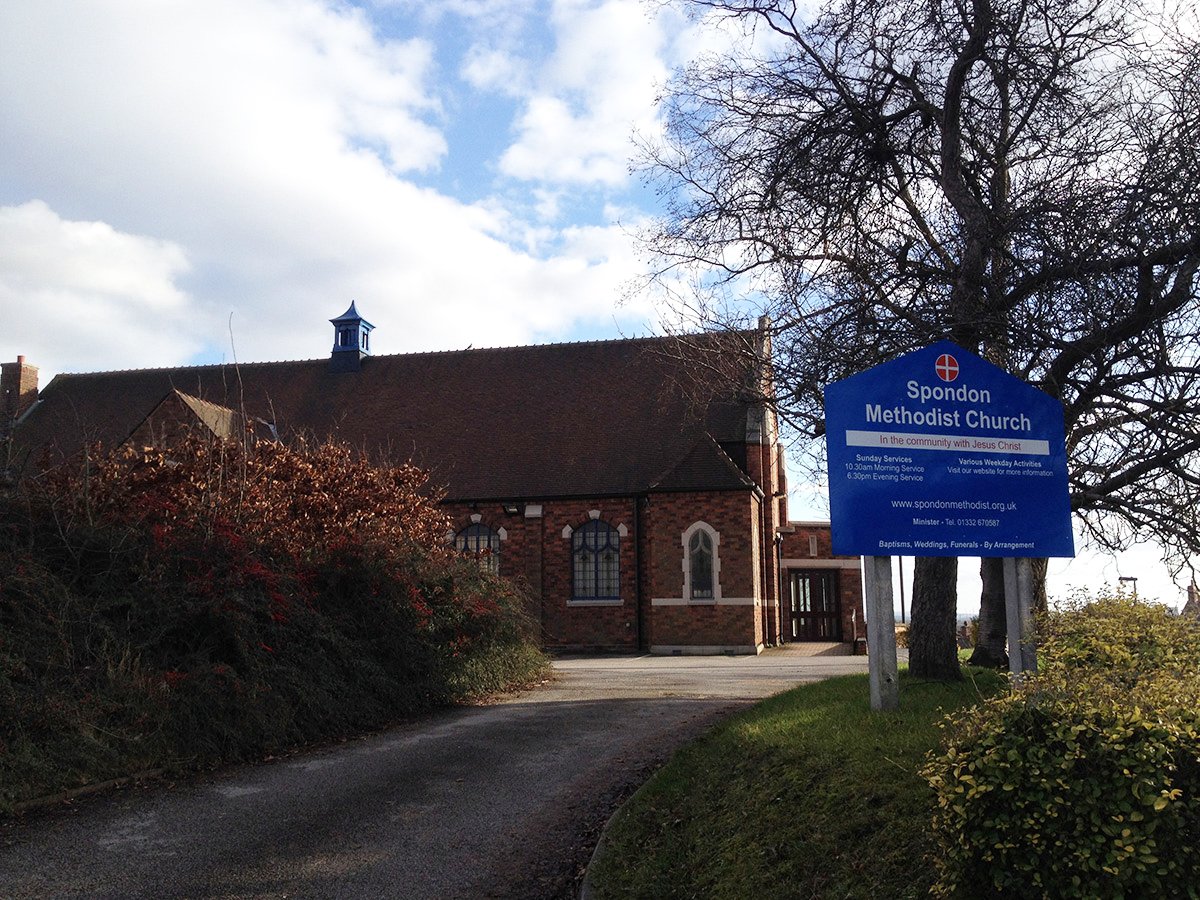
(201, 181)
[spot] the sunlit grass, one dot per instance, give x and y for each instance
(809, 794)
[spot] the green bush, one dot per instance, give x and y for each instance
(1117, 637)
(1085, 780)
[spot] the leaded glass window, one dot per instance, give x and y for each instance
(596, 553)
(700, 559)
(480, 541)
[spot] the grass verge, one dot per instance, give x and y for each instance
(808, 794)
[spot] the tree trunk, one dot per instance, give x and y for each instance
(993, 623)
(932, 644)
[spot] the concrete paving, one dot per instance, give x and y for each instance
(504, 800)
(702, 677)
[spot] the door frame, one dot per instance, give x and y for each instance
(831, 580)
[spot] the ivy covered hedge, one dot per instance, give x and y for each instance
(218, 602)
(1085, 780)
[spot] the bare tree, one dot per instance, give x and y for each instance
(1020, 176)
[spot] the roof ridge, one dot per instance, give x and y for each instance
(192, 368)
(595, 342)
(459, 350)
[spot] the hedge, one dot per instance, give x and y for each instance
(216, 602)
(1084, 781)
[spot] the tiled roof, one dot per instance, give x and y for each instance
(589, 419)
(706, 463)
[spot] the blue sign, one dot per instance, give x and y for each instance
(941, 453)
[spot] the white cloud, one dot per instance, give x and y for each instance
(488, 68)
(84, 286)
(271, 145)
(599, 84)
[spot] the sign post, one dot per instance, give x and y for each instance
(1018, 606)
(941, 453)
(883, 674)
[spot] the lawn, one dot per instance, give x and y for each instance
(808, 794)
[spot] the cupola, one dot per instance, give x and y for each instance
(351, 341)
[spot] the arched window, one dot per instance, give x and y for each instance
(480, 541)
(596, 550)
(701, 564)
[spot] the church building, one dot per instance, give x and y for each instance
(635, 487)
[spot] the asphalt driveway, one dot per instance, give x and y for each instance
(505, 800)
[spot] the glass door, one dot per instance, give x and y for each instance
(815, 612)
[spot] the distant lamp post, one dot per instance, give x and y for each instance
(1130, 579)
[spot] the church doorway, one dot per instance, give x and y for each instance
(814, 611)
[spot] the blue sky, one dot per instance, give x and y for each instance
(460, 169)
(183, 181)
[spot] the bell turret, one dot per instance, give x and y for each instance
(351, 341)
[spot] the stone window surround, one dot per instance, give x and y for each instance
(718, 598)
(622, 533)
(715, 536)
(492, 563)
(476, 519)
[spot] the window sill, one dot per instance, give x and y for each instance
(604, 601)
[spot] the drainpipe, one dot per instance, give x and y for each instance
(639, 620)
(764, 567)
(782, 579)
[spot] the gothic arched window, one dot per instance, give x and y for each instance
(701, 563)
(596, 554)
(480, 541)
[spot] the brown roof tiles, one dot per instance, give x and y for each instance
(589, 419)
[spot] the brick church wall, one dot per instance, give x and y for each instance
(572, 623)
(732, 621)
(535, 553)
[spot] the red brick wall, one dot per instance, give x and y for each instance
(705, 626)
(520, 533)
(764, 464)
(536, 554)
(18, 391)
(796, 541)
(568, 623)
(734, 515)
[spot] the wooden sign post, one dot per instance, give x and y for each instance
(1018, 608)
(881, 634)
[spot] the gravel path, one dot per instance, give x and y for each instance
(504, 800)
